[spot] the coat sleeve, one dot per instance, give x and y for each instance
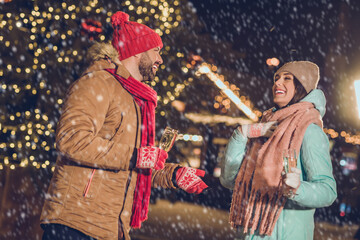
(318, 189)
(234, 154)
(163, 178)
(83, 116)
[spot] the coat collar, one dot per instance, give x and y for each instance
(316, 97)
(104, 56)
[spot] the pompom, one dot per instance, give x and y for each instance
(119, 18)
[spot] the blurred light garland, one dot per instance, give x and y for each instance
(189, 137)
(348, 137)
(207, 69)
(215, 119)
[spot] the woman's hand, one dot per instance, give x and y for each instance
(291, 182)
(256, 130)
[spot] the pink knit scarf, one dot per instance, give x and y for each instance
(257, 199)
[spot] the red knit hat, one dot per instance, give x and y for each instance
(131, 38)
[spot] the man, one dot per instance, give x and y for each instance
(105, 137)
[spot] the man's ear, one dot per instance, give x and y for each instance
(138, 55)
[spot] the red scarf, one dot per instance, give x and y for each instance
(146, 98)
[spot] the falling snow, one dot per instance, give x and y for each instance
(38, 66)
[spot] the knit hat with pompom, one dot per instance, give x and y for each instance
(132, 38)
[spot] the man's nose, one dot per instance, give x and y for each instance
(159, 59)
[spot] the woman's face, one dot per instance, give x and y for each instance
(283, 88)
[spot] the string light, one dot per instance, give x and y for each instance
(189, 137)
(24, 145)
(215, 119)
(347, 137)
(206, 69)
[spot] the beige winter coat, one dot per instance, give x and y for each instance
(99, 129)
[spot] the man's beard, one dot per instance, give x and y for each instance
(145, 68)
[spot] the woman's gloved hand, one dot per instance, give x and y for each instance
(256, 130)
(291, 182)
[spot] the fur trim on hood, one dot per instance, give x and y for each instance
(102, 50)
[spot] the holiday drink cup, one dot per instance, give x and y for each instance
(168, 139)
(289, 159)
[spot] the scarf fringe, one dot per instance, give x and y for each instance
(254, 211)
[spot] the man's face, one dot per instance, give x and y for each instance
(149, 63)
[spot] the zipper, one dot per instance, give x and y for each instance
(130, 172)
(88, 184)
(137, 125)
(117, 129)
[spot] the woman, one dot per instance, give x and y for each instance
(266, 203)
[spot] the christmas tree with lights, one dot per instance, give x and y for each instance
(43, 46)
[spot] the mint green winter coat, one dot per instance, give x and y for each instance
(317, 188)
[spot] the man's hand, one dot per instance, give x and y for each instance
(291, 182)
(256, 130)
(188, 179)
(151, 157)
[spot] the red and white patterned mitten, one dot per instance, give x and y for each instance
(188, 179)
(151, 157)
